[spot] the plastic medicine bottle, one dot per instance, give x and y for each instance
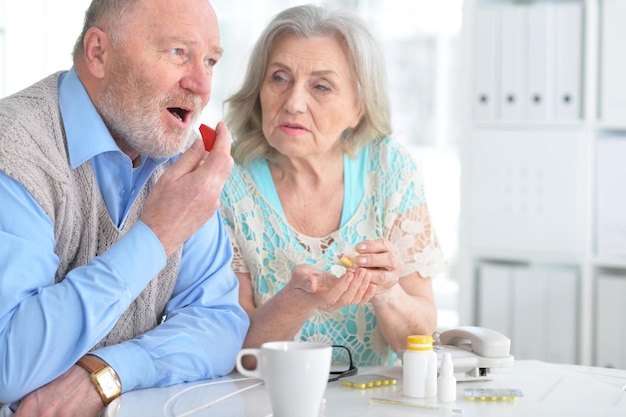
(419, 367)
(446, 383)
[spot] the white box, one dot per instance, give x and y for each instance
(525, 194)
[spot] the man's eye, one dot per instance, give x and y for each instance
(177, 51)
(210, 62)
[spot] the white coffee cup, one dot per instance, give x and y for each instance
(295, 375)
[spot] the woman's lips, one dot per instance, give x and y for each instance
(293, 128)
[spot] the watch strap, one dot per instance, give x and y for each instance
(94, 365)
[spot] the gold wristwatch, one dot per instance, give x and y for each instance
(104, 377)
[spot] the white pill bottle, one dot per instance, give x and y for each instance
(419, 367)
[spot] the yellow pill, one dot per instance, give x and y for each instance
(347, 262)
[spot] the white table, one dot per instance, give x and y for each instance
(549, 390)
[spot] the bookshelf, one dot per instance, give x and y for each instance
(541, 240)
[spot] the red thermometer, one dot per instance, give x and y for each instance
(208, 136)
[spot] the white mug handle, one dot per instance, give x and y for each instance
(254, 373)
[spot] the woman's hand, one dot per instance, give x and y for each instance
(382, 260)
(326, 292)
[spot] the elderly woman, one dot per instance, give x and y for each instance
(315, 174)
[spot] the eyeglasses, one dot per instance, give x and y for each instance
(340, 371)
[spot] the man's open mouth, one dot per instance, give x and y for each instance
(179, 113)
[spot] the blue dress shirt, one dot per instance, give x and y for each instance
(45, 328)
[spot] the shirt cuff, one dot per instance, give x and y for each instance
(132, 364)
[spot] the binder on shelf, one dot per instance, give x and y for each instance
(541, 55)
(568, 65)
(495, 296)
(610, 329)
(610, 202)
(613, 63)
(562, 295)
(486, 48)
(512, 61)
(529, 313)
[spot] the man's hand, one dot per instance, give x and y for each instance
(71, 394)
(188, 193)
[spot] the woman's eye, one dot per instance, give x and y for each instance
(322, 87)
(278, 78)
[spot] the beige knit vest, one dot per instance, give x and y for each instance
(33, 151)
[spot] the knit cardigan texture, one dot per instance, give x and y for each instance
(33, 151)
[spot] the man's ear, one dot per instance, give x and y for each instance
(97, 46)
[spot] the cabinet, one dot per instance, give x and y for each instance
(543, 212)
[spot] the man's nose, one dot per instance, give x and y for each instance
(198, 79)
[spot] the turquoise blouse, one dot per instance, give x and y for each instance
(383, 197)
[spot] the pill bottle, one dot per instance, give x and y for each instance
(419, 367)
(446, 383)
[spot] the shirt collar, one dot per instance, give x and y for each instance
(86, 133)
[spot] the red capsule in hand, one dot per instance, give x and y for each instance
(208, 136)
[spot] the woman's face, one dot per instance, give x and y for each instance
(308, 97)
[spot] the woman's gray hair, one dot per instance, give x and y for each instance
(367, 69)
(108, 15)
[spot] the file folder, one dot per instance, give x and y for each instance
(568, 26)
(541, 55)
(513, 61)
(495, 297)
(486, 46)
(610, 207)
(611, 330)
(613, 63)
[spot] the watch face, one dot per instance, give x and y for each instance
(109, 384)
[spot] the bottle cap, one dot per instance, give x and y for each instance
(420, 342)
(447, 368)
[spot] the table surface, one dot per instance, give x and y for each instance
(549, 390)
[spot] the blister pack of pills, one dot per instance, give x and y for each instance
(492, 394)
(368, 381)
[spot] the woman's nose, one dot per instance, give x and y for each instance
(297, 100)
